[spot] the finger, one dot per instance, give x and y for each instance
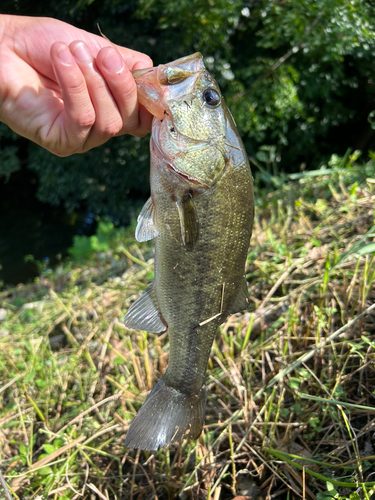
(122, 86)
(134, 59)
(145, 121)
(137, 60)
(108, 119)
(78, 114)
(124, 90)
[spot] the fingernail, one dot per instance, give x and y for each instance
(113, 62)
(81, 52)
(64, 55)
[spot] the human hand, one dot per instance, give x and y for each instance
(66, 89)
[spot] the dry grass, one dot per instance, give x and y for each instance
(291, 383)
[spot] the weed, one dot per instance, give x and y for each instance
(291, 382)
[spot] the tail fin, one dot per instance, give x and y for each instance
(166, 416)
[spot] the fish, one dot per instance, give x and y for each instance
(200, 213)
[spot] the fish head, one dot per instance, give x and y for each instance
(191, 118)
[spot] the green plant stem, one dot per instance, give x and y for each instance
(283, 456)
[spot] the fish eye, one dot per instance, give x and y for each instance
(211, 97)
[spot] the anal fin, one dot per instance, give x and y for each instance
(242, 300)
(144, 314)
(146, 229)
(188, 221)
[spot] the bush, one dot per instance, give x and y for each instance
(297, 76)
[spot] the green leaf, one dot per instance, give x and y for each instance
(294, 383)
(369, 248)
(331, 489)
(45, 471)
(49, 448)
(357, 246)
(41, 383)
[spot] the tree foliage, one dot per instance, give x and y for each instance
(297, 75)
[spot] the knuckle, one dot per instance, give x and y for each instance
(77, 86)
(129, 91)
(112, 128)
(85, 119)
(131, 126)
(123, 89)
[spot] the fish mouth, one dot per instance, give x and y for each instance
(154, 84)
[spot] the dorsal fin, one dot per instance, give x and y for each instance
(146, 227)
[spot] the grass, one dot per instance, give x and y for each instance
(291, 382)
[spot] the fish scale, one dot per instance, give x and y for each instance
(200, 214)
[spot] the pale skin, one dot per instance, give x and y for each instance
(66, 89)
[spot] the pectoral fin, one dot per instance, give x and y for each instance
(144, 314)
(242, 300)
(188, 221)
(146, 228)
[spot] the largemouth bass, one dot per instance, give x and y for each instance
(201, 214)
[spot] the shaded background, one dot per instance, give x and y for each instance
(298, 76)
